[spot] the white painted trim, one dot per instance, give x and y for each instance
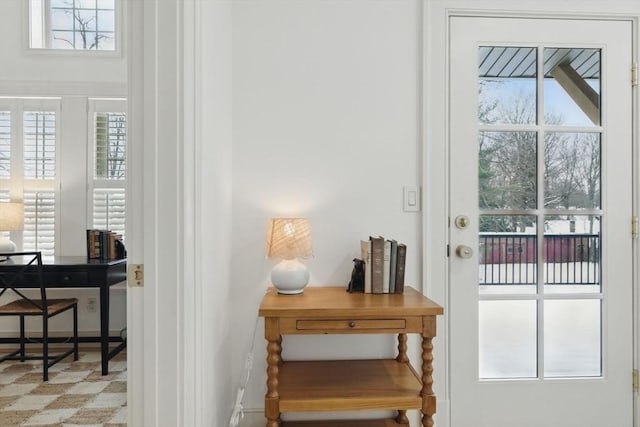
(21, 89)
(636, 211)
(162, 104)
(191, 349)
(196, 303)
(139, 391)
(435, 170)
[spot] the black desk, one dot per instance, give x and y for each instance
(78, 272)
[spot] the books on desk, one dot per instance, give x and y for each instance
(104, 245)
(384, 265)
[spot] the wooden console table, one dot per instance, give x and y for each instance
(342, 385)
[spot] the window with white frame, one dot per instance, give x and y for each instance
(28, 146)
(109, 164)
(73, 24)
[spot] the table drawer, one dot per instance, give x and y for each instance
(350, 324)
(71, 278)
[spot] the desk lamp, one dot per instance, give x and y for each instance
(289, 239)
(11, 219)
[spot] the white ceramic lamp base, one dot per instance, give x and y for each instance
(290, 277)
(6, 245)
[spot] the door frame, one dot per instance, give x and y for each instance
(164, 357)
(435, 106)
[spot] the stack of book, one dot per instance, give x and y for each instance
(103, 244)
(384, 265)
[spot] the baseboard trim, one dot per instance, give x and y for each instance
(252, 418)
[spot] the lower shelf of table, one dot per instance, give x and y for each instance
(344, 385)
(345, 423)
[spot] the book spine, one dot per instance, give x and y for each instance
(89, 244)
(400, 265)
(377, 264)
(112, 245)
(393, 268)
(93, 244)
(386, 267)
(103, 245)
(365, 253)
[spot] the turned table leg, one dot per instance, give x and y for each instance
(428, 397)
(402, 417)
(274, 360)
(402, 349)
(402, 358)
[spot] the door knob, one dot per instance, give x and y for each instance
(464, 252)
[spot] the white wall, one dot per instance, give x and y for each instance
(214, 194)
(326, 125)
(74, 77)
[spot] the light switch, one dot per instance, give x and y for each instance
(411, 198)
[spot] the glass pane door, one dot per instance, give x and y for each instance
(539, 181)
(540, 272)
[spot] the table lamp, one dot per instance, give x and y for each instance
(289, 239)
(11, 219)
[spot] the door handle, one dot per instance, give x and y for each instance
(464, 252)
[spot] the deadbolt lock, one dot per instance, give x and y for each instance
(462, 221)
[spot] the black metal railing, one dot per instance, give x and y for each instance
(511, 259)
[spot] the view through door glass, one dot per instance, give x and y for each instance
(530, 283)
(540, 285)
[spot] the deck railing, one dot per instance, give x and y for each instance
(511, 259)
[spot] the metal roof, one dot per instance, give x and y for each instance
(515, 62)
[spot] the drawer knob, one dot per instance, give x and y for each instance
(352, 324)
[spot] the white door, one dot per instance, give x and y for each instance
(540, 256)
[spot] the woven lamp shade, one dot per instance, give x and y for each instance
(11, 216)
(289, 238)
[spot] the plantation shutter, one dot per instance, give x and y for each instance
(109, 168)
(4, 197)
(5, 144)
(110, 131)
(109, 209)
(39, 221)
(39, 145)
(39, 173)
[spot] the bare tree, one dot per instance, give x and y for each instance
(83, 26)
(508, 165)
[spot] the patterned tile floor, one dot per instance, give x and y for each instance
(76, 395)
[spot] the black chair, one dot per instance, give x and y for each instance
(22, 270)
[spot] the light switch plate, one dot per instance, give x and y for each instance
(411, 198)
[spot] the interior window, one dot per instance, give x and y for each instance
(108, 161)
(29, 137)
(73, 24)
